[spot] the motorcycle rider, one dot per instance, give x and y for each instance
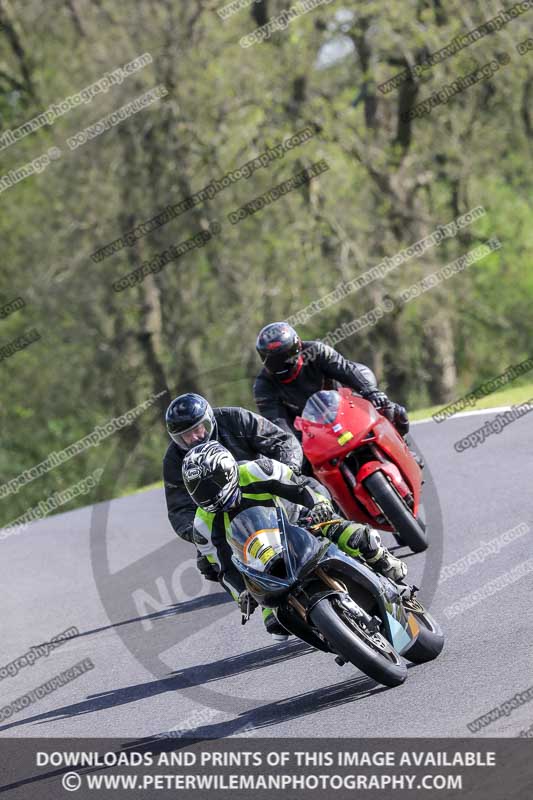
(221, 488)
(293, 370)
(190, 420)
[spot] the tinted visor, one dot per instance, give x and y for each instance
(208, 489)
(282, 360)
(211, 497)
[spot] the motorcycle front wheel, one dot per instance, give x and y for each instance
(410, 530)
(370, 652)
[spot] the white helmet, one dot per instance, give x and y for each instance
(211, 476)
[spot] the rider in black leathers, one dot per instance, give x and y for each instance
(190, 421)
(294, 370)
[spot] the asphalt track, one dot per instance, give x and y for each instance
(169, 652)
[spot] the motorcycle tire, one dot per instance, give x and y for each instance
(371, 653)
(429, 642)
(410, 531)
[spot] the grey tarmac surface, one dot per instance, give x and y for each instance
(169, 651)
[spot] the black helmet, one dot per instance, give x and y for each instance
(279, 348)
(184, 414)
(211, 476)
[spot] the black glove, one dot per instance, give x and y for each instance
(381, 403)
(401, 420)
(247, 604)
(208, 570)
(321, 512)
(186, 533)
(378, 399)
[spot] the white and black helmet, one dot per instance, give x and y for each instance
(211, 476)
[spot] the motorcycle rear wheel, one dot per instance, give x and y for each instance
(397, 512)
(430, 639)
(371, 653)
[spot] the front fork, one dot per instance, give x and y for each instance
(336, 589)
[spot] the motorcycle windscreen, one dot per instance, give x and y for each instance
(255, 537)
(322, 407)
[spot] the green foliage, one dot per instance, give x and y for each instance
(193, 325)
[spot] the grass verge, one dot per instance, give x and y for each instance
(506, 397)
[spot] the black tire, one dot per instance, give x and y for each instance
(410, 531)
(429, 642)
(383, 664)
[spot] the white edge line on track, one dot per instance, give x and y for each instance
(474, 413)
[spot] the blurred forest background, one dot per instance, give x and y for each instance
(193, 325)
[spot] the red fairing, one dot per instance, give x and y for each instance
(345, 440)
(367, 469)
(320, 441)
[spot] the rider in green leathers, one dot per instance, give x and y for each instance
(221, 488)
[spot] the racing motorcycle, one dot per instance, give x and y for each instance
(360, 457)
(331, 601)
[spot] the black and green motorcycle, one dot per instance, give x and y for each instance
(331, 601)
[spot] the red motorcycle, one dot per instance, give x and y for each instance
(359, 456)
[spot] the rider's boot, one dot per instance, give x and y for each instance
(380, 558)
(401, 423)
(361, 540)
(276, 630)
(419, 460)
